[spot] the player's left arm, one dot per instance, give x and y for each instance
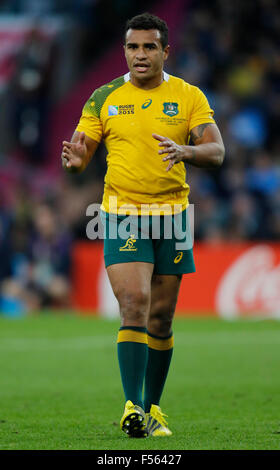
(208, 150)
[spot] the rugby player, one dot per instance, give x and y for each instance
(153, 124)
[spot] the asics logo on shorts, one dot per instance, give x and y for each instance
(178, 257)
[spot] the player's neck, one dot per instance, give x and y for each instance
(147, 84)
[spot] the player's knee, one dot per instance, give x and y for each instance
(160, 322)
(134, 305)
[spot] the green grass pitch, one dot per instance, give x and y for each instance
(60, 386)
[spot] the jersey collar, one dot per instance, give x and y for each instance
(127, 76)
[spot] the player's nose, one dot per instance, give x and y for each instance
(141, 54)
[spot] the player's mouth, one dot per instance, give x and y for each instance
(141, 67)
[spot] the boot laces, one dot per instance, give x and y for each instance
(159, 415)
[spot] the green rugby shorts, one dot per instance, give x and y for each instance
(163, 240)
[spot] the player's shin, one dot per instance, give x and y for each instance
(160, 352)
(132, 356)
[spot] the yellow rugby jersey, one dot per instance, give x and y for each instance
(126, 116)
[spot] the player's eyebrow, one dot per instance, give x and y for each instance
(146, 44)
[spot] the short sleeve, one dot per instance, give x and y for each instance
(201, 112)
(90, 122)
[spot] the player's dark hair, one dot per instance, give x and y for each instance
(147, 21)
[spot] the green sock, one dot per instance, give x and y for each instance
(132, 355)
(159, 357)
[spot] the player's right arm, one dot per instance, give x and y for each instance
(77, 154)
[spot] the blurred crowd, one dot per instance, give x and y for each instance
(231, 51)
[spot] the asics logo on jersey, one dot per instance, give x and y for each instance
(146, 104)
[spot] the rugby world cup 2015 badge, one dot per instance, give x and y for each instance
(171, 109)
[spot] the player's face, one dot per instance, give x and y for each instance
(145, 57)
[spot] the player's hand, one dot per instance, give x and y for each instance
(74, 154)
(175, 152)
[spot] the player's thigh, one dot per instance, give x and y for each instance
(164, 295)
(131, 284)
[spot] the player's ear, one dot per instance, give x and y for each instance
(166, 51)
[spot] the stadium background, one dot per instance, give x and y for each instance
(52, 55)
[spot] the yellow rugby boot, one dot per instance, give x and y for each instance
(133, 421)
(156, 423)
